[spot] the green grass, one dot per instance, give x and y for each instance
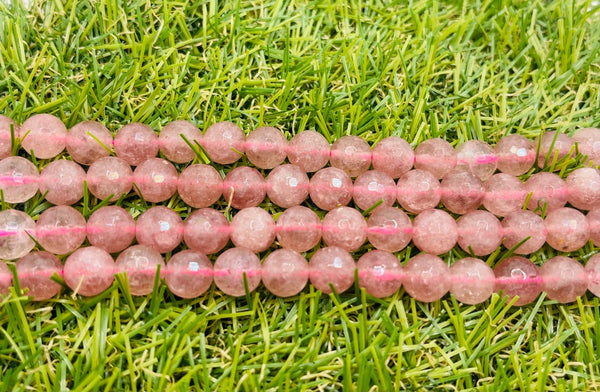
(459, 70)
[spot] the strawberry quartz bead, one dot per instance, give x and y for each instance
(61, 229)
(224, 142)
(462, 192)
(517, 276)
(389, 229)
(519, 225)
(62, 182)
(136, 143)
(351, 154)
(188, 274)
(435, 156)
(89, 271)
(156, 180)
(5, 143)
(546, 189)
(159, 228)
(18, 179)
(285, 272)
(35, 272)
(480, 232)
(5, 279)
(516, 154)
(233, 267)
(473, 281)
(344, 227)
(200, 186)
(309, 150)
(564, 279)
(206, 231)
(287, 186)
(593, 219)
(43, 134)
(426, 278)
(109, 176)
(478, 158)
(330, 187)
(588, 143)
(379, 273)
(418, 190)
(247, 186)
(253, 228)
(561, 148)
(89, 141)
(592, 268)
(567, 229)
(371, 187)
(434, 231)
(583, 187)
(504, 193)
(173, 146)
(266, 147)
(298, 228)
(110, 228)
(332, 266)
(140, 263)
(393, 156)
(16, 227)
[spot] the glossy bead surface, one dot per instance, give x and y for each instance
(287, 186)
(434, 231)
(435, 156)
(5, 143)
(173, 146)
(253, 228)
(6, 278)
(521, 224)
(247, 186)
(234, 266)
(371, 187)
(109, 176)
(588, 140)
(593, 220)
(89, 141)
(583, 187)
(140, 263)
(351, 154)
(592, 268)
(344, 227)
(224, 142)
(332, 266)
(89, 271)
(330, 187)
(19, 179)
(462, 192)
(504, 193)
(554, 146)
(200, 186)
(136, 143)
(159, 228)
(517, 276)
(418, 190)
(479, 231)
(61, 229)
(473, 281)
(266, 147)
(516, 154)
(110, 228)
(564, 279)
(188, 274)
(62, 182)
(156, 180)
(298, 228)
(379, 273)
(478, 158)
(35, 271)
(285, 272)
(393, 156)
(567, 229)
(389, 229)
(206, 230)
(547, 189)
(309, 150)
(43, 134)
(426, 278)
(15, 229)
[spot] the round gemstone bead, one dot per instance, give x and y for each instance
(5, 142)
(136, 143)
(351, 154)
(393, 156)
(593, 219)
(546, 189)
(89, 271)
(462, 192)
(561, 148)
(344, 227)
(224, 142)
(233, 267)
(285, 272)
(189, 274)
(159, 228)
(564, 279)
(298, 228)
(35, 271)
(141, 265)
(266, 147)
(379, 273)
(287, 186)
(592, 268)
(89, 141)
(18, 179)
(418, 190)
(477, 158)
(61, 229)
(426, 278)
(372, 186)
(200, 186)
(521, 224)
(309, 150)
(332, 266)
(43, 134)
(434, 231)
(247, 185)
(109, 176)
(435, 156)
(504, 193)
(206, 230)
(567, 229)
(473, 281)
(156, 179)
(173, 146)
(5, 279)
(583, 187)
(253, 228)
(14, 239)
(389, 229)
(516, 154)
(480, 232)
(517, 276)
(588, 140)
(110, 228)
(62, 182)
(330, 187)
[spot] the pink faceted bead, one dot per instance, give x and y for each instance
(546, 189)
(247, 185)
(330, 187)
(564, 279)
(344, 227)
(583, 187)
(253, 228)
(298, 228)
(351, 154)
(393, 156)
(111, 228)
(136, 143)
(567, 229)
(561, 148)
(200, 186)
(426, 278)
(18, 179)
(61, 229)
(588, 143)
(173, 146)
(592, 268)
(516, 154)
(479, 231)
(473, 281)
(5, 142)
(462, 192)
(287, 186)
(141, 265)
(16, 227)
(434, 231)
(379, 273)
(89, 141)
(372, 186)
(266, 147)
(477, 158)
(159, 228)
(418, 190)
(43, 134)
(517, 276)
(435, 156)
(332, 266)
(389, 229)
(521, 224)
(35, 271)
(156, 180)
(62, 182)
(89, 271)
(309, 150)
(224, 142)
(206, 230)
(5, 279)
(234, 266)
(189, 274)
(504, 193)
(109, 176)
(593, 219)
(285, 272)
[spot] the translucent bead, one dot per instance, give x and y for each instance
(435, 156)
(61, 229)
(351, 154)
(567, 229)
(19, 179)
(521, 224)
(583, 187)
(561, 148)
(332, 266)
(206, 230)
(284, 272)
(298, 228)
(173, 146)
(62, 182)
(517, 276)
(426, 278)
(43, 134)
(389, 229)
(593, 219)
(516, 154)
(234, 267)
(200, 186)
(379, 273)
(247, 185)
(253, 228)
(309, 150)
(588, 140)
(5, 142)
(224, 142)
(462, 192)
(393, 156)
(89, 141)
(136, 143)
(110, 228)
(477, 158)
(473, 281)
(5, 279)
(35, 272)
(188, 274)
(16, 227)
(141, 265)
(156, 180)
(479, 232)
(330, 187)
(109, 176)
(592, 268)
(344, 227)
(504, 193)
(547, 189)
(287, 186)
(266, 147)
(564, 279)
(159, 228)
(89, 271)
(371, 187)
(418, 190)
(434, 231)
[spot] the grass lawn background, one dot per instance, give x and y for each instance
(458, 70)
